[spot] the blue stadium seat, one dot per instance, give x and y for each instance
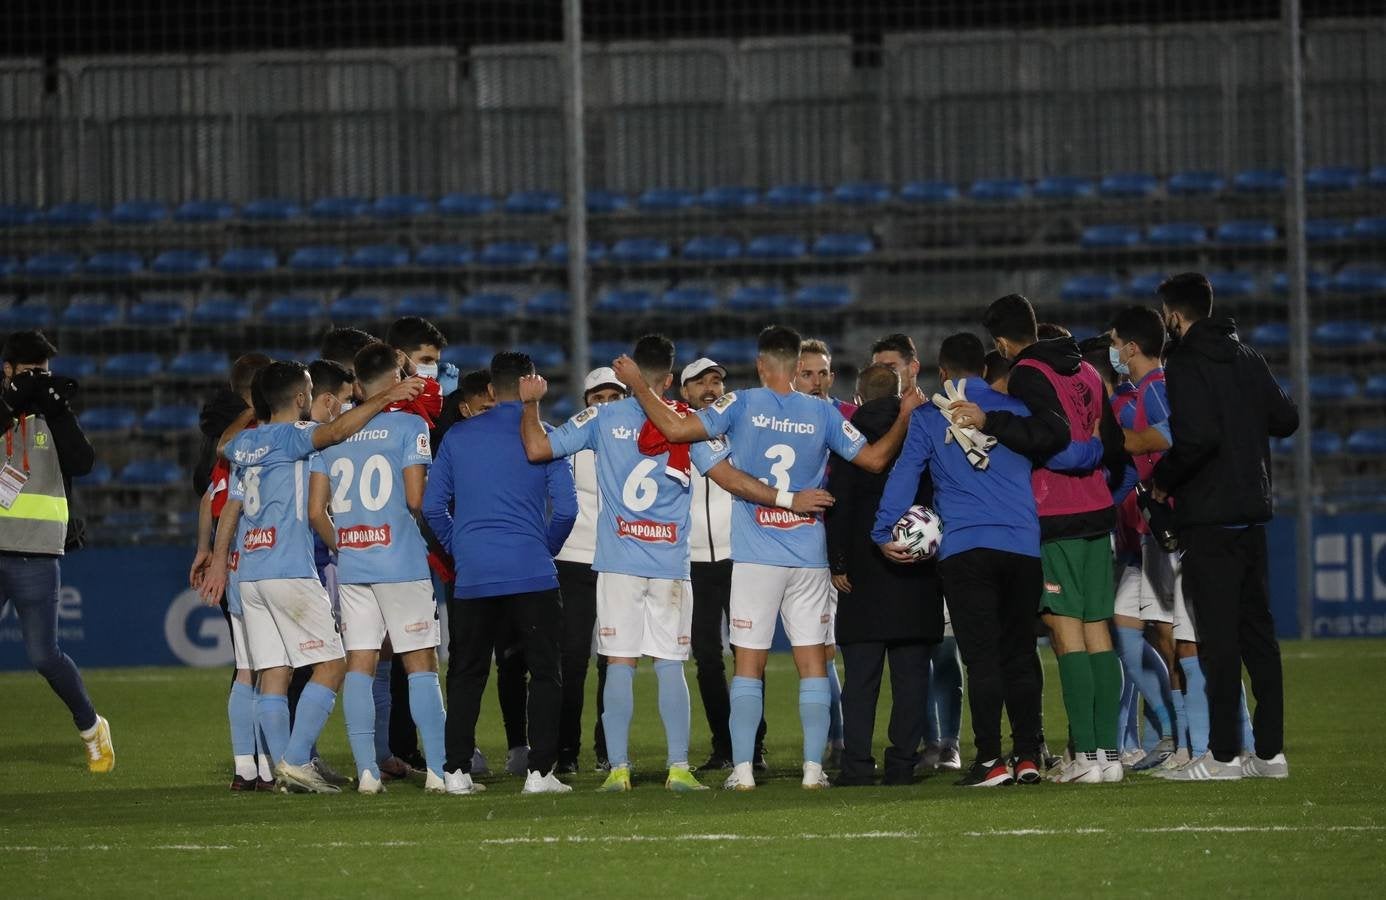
(170, 418)
(204, 211)
(510, 254)
(293, 310)
(1367, 442)
(602, 203)
(73, 365)
(624, 302)
(132, 366)
(776, 246)
(8, 265)
(158, 313)
(338, 208)
(1315, 282)
(843, 245)
(99, 475)
(1330, 388)
(97, 312)
(1246, 231)
(793, 196)
(688, 300)
(1232, 283)
(711, 247)
(1195, 183)
(998, 190)
(248, 260)
(54, 264)
(1082, 288)
(215, 311)
(1343, 335)
(107, 419)
(357, 308)
(601, 353)
(639, 250)
(1321, 443)
(271, 209)
(181, 262)
(379, 256)
(1359, 279)
(199, 364)
(729, 197)
(1375, 388)
(666, 200)
(1332, 178)
(1259, 181)
(70, 215)
(1320, 230)
(549, 303)
(317, 259)
(1270, 335)
(139, 212)
(17, 215)
(464, 204)
(862, 193)
(533, 203)
(1063, 187)
(557, 254)
(1097, 237)
(425, 306)
(278, 353)
(756, 298)
(929, 192)
(546, 356)
(732, 351)
(25, 316)
(489, 305)
(467, 356)
(113, 262)
(1370, 228)
(1177, 234)
(1128, 184)
(821, 298)
(143, 472)
(444, 256)
(401, 206)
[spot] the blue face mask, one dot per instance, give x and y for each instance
(1114, 353)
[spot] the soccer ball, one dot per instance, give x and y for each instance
(920, 530)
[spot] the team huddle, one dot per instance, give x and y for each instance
(1028, 498)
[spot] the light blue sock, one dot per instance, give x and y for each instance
(1248, 735)
(240, 712)
(1153, 662)
(1181, 720)
(261, 745)
(1153, 731)
(1129, 716)
(618, 701)
(426, 706)
(814, 696)
(359, 711)
(314, 706)
(1133, 658)
(272, 712)
(380, 694)
(1195, 705)
(834, 703)
(674, 708)
(747, 706)
(946, 689)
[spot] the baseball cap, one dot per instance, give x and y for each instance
(602, 377)
(696, 369)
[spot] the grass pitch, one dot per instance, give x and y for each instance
(164, 824)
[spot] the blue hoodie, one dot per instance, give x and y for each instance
(992, 508)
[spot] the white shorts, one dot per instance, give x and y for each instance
(239, 646)
(289, 622)
(1185, 629)
(832, 614)
(802, 597)
(404, 610)
(1147, 592)
(644, 616)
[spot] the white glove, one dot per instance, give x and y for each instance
(974, 444)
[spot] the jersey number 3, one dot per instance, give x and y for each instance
(782, 460)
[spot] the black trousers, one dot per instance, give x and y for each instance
(578, 583)
(861, 691)
(1225, 586)
(711, 602)
(404, 738)
(473, 629)
(992, 596)
(511, 687)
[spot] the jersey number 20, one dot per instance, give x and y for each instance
(374, 488)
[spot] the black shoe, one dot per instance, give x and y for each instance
(603, 764)
(716, 763)
(994, 773)
(1027, 769)
(241, 785)
(566, 767)
(894, 779)
(416, 761)
(758, 761)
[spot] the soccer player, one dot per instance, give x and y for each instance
(375, 483)
(340, 345)
(422, 342)
(287, 613)
(334, 387)
(781, 565)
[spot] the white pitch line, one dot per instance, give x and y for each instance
(655, 838)
(1176, 829)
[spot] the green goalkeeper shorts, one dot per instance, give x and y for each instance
(1078, 578)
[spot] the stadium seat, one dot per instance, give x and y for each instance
(1359, 279)
(603, 203)
(248, 260)
(1177, 234)
(113, 262)
(710, 247)
(639, 250)
(70, 215)
(139, 212)
(293, 310)
(401, 206)
(545, 356)
(862, 193)
(100, 473)
(316, 259)
(356, 308)
(489, 305)
(821, 298)
(562, 408)
(549, 303)
(624, 302)
(467, 356)
(444, 256)
(1314, 280)
(1367, 442)
(105, 419)
(998, 190)
(379, 256)
(601, 353)
(17, 215)
(24, 316)
(776, 246)
(271, 209)
(1332, 178)
(688, 300)
(557, 254)
(1375, 388)
(53, 264)
(8, 265)
(1330, 388)
(929, 192)
(729, 197)
(199, 364)
(132, 366)
(1320, 230)
(216, 311)
(73, 365)
(464, 204)
(1232, 283)
(1370, 228)
(509, 254)
(666, 200)
(1100, 237)
(1128, 184)
(1259, 181)
(1063, 187)
(756, 298)
(425, 306)
(1321, 443)
(181, 262)
(1195, 183)
(793, 196)
(158, 313)
(1376, 176)
(96, 312)
(533, 203)
(1082, 288)
(1343, 335)
(1270, 335)
(170, 418)
(1246, 231)
(338, 208)
(143, 472)
(732, 351)
(843, 245)
(204, 211)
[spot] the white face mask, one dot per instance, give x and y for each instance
(429, 370)
(347, 405)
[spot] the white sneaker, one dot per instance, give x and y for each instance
(814, 779)
(950, 759)
(1130, 757)
(479, 764)
(544, 784)
(303, 779)
(433, 784)
(1110, 761)
(516, 761)
(460, 783)
(366, 783)
(1178, 760)
(1163, 751)
(1206, 768)
(1082, 769)
(742, 778)
(1254, 766)
(929, 758)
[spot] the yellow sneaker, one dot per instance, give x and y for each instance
(100, 750)
(617, 782)
(682, 781)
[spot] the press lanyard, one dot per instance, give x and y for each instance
(23, 443)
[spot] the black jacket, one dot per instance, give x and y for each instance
(217, 415)
(1224, 407)
(1045, 431)
(888, 602)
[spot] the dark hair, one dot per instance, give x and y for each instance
(507, 367)
(28, 348)
(340, 345)
(654, 354)
(275, 385)
(244, 368)
(780, 343)
(962, 354)
(1011, 317)
(1097, 353)
(374, 360)
(1048, 331)
(1189, 293)
(876, 381)
(411, 332)
(473, 384)
(996, 367)
(898, 343)
(328, 376)
(1143, 327)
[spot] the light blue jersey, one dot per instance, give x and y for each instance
(642, 525)
(234, 491)
(275, 540)
(784, 441)
(378, 538)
